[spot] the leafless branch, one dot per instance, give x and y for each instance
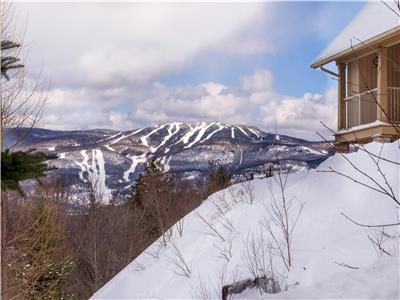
(342, 264)
(213, 230)
(181, 267)
(373, 183)
(378, 237)
(370, 226)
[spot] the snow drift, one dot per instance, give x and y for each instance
(332, 257)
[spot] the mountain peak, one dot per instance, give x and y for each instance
(118, 157)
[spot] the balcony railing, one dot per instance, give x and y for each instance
(394, 104)
(361, 108)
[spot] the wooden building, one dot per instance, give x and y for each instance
(367, 57)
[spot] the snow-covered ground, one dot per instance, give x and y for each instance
(331, 256)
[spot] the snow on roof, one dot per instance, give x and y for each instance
(372, 20)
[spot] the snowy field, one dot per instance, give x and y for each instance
(331, 256)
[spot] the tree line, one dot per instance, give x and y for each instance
(59, 245)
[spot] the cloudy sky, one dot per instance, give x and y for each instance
(128, 65)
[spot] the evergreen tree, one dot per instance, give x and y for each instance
(152, 180)
(219, 177)
(153, 194)
(9, 61)
(19, 166)
(269, 172)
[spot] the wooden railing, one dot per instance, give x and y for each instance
(361, 108)
(394, 104)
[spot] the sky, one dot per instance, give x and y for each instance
(130, 65)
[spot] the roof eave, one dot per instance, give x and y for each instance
(387, 35)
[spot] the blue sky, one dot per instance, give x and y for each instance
(292, 63)
(246, 63)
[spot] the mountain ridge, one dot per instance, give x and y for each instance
(116, 158)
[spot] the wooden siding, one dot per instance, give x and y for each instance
(394, 65)
(394, 83)
(362, 75)
(394, 104)
(352, 79)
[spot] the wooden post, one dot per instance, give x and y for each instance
(382, 85)
(341, 96)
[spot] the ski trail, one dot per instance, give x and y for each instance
(233, 132)
(171, 133)
(124, 137)
(220, 127)
(96, 173)
(109, 148)
(242, 130)
(85, 158)
(185, 139)
(98, 160)
(144, 138)
(110, 137)
(166, 164)
(241, 155)
(164, 161)
(136, 159)
(253, 132)
(201, 130)
(84, 166)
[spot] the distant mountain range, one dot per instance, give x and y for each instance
(116, 158)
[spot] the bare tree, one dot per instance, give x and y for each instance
(243, 192)
(22, 98)
(202, 291)
(224, 252)
(35, 260)
(248, 191)
(283, 213)
(179, 227)
(180, 266)
(212, 229)
(258, 255)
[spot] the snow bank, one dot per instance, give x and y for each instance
(378, 281)
(213, 245)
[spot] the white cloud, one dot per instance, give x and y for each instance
(108, 44)
(252, 101)
(83, 108)
(104, 61)
(302, 116)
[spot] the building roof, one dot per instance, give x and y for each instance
(373, 20)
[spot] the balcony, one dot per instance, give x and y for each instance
(361, 109)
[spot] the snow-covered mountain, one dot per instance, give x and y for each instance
(225, 239)
(116, 158)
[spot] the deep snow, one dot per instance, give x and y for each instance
(323, 240)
